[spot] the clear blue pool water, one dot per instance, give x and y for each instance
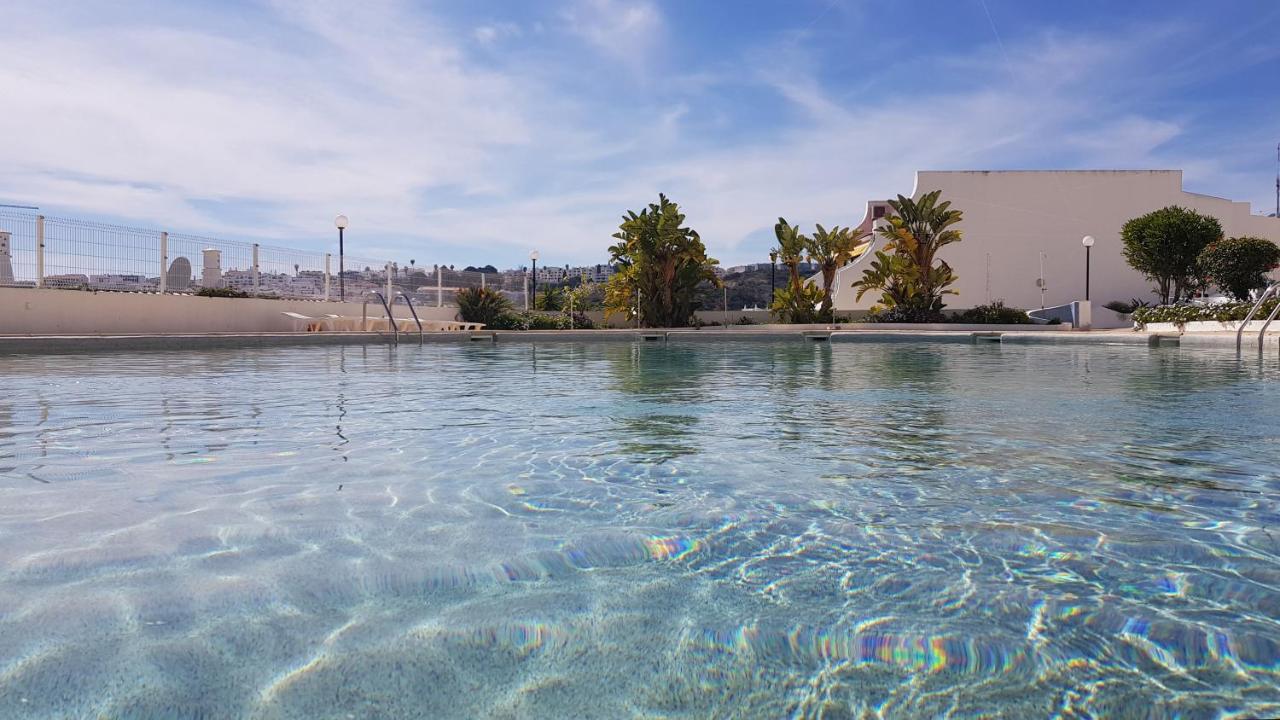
(615, 530)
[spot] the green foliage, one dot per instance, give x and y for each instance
(830, 250)
(903, 314)
(1239, 264)
(586, 296)
(660, 264)
(1165, 245)
(221, 292)
(482, 305)
(907, 272)
(1125, 308)
(798, 303)
(1185, 313)
(550, 298)
(529, 320)
(993, 314)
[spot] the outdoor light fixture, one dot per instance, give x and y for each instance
(1087, 241)
(773, 267)
(534, 257)
(341, 223)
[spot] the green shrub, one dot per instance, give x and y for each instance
(221, 292)
(540, 321)
(905, 314)
(992, 314)
(1239, 264)
(482, 305)
(1180, 314)
(1126, 308)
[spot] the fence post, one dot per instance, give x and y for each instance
(481, 281)
(326, 277)
(255, 268)
(439, 286)
(39, 251)
(164, 262)
(526, 291)
(387, 269)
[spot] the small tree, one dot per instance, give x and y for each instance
(660, 264)
(797, 301)
(1239, 264)
(1165, 245)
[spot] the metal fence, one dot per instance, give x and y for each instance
(49, 252)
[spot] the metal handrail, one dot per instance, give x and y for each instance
(409, 302)
(364, 314)
(1271, 290)
(1274, 311)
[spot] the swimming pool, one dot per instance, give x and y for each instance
(739, 529)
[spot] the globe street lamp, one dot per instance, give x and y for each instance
(1087, 241)
(534, 294)
(341, 223)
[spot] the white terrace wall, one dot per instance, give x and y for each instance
(28, 311)
(1013, 216)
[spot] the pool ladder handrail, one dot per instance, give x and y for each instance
(1272, 289)
(364, 314)
(408, 301)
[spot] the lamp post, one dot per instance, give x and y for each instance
(773, 269)
(341, 223)
(1087, 241)
(533, 256)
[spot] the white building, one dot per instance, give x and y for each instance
(1016, 222)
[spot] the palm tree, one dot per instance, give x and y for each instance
(830, 250)
(661, 263)
(791, 248)
(905, 271)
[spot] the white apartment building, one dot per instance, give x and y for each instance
(1021, 227)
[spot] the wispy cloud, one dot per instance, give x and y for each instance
(466, 139)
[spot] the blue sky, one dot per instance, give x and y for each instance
(472, 132)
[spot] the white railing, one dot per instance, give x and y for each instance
(40, 251)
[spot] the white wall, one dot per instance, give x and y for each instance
(28, 311)
(1016, 215)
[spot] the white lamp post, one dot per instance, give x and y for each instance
(1087, 241)
(341, 223)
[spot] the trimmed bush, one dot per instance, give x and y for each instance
(993, 314)
(540, 321)
(1180, 314)
(905, 314)
(1239, 264)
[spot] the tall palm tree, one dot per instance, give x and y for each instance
(791, 249)
(830, 250)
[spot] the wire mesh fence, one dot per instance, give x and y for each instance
(53, 252)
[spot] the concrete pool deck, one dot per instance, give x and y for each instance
(37, 344)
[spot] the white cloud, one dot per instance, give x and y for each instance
(491, 33)
(378, 111)
(627, 30)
